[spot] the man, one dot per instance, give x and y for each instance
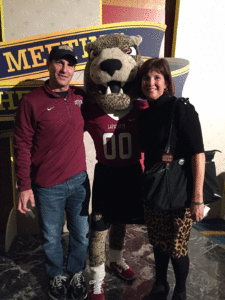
(51, 170)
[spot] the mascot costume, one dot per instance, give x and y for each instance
(110, 80)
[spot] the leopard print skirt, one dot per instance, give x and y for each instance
(169, 231)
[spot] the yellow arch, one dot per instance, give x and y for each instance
(2, 23)
(175, 28)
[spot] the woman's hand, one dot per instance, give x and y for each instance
(197, 211)
(198, 172)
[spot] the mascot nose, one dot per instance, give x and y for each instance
(111, 65)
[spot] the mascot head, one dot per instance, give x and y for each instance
(111, 69)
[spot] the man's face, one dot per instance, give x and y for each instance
(60, 72)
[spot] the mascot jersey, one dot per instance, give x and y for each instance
(116, 141)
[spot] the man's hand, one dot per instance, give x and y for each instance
(24, 197)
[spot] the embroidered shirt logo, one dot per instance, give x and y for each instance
(117, 126)
(78, 102)
(50, 108)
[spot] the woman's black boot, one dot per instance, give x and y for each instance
(179, 296)
(159, 291)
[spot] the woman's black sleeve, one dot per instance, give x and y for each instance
(190, 128)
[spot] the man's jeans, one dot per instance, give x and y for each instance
(73, 197)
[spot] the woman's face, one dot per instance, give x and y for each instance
(153, 85)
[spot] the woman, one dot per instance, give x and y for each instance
(169, 231)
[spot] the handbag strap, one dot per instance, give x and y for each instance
(185, 100)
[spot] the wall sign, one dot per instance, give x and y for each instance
(26, 58)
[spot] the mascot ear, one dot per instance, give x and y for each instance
(88, 47)
(137, 39)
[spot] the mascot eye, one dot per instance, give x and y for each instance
(93, 54)
(131, 51)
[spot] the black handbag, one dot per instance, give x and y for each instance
(165, 185)
(168, 184)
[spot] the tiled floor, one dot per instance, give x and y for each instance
(22, 270)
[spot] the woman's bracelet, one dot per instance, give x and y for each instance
(197, 203)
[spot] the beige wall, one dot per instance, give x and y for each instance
(25, 18)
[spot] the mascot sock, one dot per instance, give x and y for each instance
(98, 273)
(117, 236)
(115, 255)
(97, 248)
(116, 242)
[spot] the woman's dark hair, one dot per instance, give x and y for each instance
(159, 65)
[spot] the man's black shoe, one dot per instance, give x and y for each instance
(57, 288)
(78, 289)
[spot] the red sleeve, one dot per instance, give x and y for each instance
(24, 132)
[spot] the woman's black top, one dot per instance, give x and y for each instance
(186, 138)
